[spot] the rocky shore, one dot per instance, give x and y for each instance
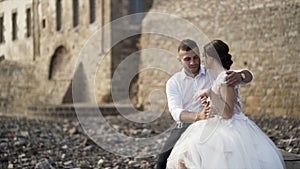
(62, 142)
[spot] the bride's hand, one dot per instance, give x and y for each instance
(203, 93)
(205, 101)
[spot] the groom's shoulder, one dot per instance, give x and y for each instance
(175, 78)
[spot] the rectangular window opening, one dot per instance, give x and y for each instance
(44, 23)
(75, 13)
(92, 11)
(1, 29)
(14, 26)
(58, 15)
(28, 22)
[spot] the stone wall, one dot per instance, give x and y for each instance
(18, 87)
(263, 36)
(51, 56)
(125, 48)
(20, 48)
(72, 40)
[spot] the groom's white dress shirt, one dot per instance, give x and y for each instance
(182, 89)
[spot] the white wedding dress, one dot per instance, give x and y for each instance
(217, 143)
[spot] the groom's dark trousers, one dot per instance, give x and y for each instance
(166, 151)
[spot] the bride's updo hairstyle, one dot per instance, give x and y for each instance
(219, 50)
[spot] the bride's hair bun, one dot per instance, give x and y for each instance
(219, 50)
(226, 61)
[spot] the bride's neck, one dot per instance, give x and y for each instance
(217, 68)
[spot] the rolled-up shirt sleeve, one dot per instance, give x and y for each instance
(174, 99)
(240, 70)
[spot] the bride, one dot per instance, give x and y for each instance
(228, 139)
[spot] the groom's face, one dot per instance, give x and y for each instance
(190, 61)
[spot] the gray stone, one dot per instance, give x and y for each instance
(43, 164)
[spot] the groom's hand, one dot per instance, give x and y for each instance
(233, 78)
(204, 114)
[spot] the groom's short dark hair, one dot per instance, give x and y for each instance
(187, 45)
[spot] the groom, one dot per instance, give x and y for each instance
(181, 89)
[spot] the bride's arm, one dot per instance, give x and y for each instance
(225, 102)
(228, 95)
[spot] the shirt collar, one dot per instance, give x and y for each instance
(202, 72)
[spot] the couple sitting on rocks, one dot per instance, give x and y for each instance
(212, 131)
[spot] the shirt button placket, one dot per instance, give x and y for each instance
(195, 85)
